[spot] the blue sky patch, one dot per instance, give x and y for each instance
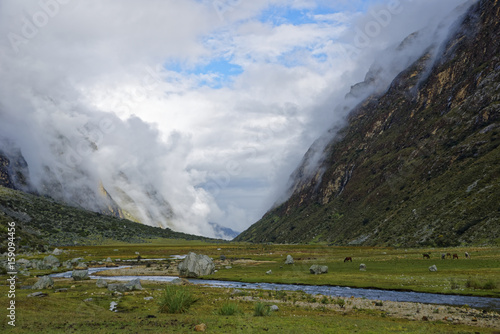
(221, 70)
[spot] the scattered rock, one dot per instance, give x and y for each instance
(125, 287)
(40, 265)
(81, 266)
(362, 267)
(37, 294)
(76, 260)
(274, 308)
(433, 268)
(113, 306)
(176, 281)
(57, 252)
(80, 275)
(101, 283)
(62, 290)
(44, 282)
(108, 260)
(289, 259)
(24, 263)
(229, 267)
(223, 258)
(200, 328)
(196, 265)
(269, 272)
(51, 261)
(88, 300)
(316, 269)
(134, 284)
(148, 298)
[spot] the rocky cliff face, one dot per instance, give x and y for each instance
(416, 165)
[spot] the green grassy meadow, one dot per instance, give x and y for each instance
(387, 268)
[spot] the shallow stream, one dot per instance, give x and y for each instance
(338, 291)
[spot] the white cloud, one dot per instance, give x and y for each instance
(220, 155)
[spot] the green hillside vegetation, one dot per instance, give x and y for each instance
(42, 222)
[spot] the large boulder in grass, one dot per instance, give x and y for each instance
(51, 261)
(289, 259)
(45, 282)
(195, 265)
(316, 269)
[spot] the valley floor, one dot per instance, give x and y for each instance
(82, 307)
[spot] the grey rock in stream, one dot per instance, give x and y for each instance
(80, 275)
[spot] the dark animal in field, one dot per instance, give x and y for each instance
(348, 259)
(455, 256)
(443, 256)
(467, 255)
(426, 256)
(448, 255)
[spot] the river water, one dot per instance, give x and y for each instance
(338, 291)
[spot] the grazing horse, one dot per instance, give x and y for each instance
(426, 256)
(348, 259)
(448, 255)
(455, 256)
(467, 255)
(443, 256)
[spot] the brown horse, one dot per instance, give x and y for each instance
(348, 259)
(455, 256)
(426, 256)
(448, 255)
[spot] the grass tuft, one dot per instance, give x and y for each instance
(261, 310)
(175, 299)
(229, 309)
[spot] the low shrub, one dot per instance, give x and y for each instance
(490, 285)
(340, 302)
(229, 309)
(474, 284)
(261, 310)
(175, 299)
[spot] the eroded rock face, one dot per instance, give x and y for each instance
(195, 265)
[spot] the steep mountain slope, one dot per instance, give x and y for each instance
(416, 165)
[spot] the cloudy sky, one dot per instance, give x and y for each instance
(212, 103)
